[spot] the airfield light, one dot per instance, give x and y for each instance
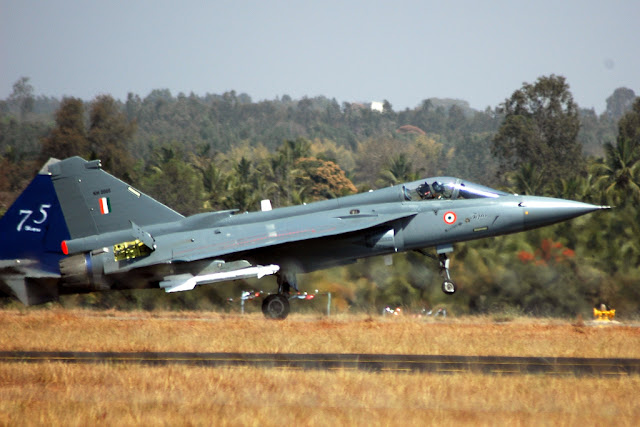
(603, 315)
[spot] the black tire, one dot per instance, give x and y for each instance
(275, 307)
(448, 287)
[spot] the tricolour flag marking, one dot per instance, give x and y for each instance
(105, 205)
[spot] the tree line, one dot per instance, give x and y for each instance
(202, 153)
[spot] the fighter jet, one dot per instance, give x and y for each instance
(77, 228)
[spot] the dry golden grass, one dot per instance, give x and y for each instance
(78, 330)
(66, 394)
(59, 394)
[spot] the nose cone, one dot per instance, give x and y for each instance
(541, 211)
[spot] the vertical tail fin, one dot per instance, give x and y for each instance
(33, 227)
(95, 202)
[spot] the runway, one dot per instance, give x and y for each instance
(496, 365)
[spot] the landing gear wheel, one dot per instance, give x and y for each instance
(448, 287)
(275, 307)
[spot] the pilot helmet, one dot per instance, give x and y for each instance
(423, 190)
(438, 187)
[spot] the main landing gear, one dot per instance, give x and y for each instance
(276, 306)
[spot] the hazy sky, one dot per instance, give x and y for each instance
(401, 51)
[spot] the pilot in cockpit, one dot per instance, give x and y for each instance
(424, 191)
(438, 189)
(433, 191)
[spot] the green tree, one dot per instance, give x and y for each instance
(22, 98)
(322, 179)
(292, 150)
(399, 169)
(629, 125)
(619, 172)
(175, 183)
(282, 173)
(456, 120)
(245, 187)
(110, 134)
(581, 188)
(528, 180)
(620, 102)
(69, 137)
(540, 127)
(215, 181)
(387, 108)
(473, 160)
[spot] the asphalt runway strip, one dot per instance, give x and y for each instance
(335, 361)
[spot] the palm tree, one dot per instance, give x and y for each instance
(619, 174)
(280, 176)
(292, 150)
(630, 248)
(398, 170)
(528, 180)
(579, 188)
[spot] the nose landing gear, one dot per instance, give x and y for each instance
(448, 287)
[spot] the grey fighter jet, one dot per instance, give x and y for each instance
(93, 232)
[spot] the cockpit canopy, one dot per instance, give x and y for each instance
(447, 188)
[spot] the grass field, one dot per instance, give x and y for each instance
(61, 394)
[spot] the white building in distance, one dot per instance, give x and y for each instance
(377, 106)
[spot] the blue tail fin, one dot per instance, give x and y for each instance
(33, 228)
